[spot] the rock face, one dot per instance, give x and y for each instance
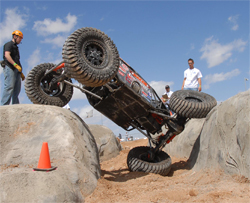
(223, 141)
(183, 144)
(107, 144)
(225, 138)
(72, 149)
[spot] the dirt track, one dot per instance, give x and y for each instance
(117, 184)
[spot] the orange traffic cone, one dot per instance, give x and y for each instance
(44, 160)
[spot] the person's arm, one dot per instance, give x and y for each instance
(8, 57)
(163, 100)
(183, 83)
(199, 81)
(11, 61)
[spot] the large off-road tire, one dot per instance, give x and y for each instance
(91, 57)
(36, 85)
(137, 161)
(191, 104)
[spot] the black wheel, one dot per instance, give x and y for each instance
(137, 160)
(191, 104)
(38, 91)
(91, 57)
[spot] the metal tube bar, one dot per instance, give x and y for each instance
(161, 114)
(49, 71)
(141, 131)
(83, 90)
(110, 88)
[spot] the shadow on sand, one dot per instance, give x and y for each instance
(121, 175)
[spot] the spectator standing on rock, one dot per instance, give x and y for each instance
(12, 70)
(168, 92)
(166, 99)
(192, 77)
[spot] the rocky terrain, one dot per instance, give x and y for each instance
(183, 184)
(210, 158)
(72, 148)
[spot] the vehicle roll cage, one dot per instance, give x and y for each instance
(175, 125)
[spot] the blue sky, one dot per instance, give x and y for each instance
(155, 37)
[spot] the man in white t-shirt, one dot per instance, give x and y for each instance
(192, 77)
(167, 92)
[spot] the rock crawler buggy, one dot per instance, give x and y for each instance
(117, 91)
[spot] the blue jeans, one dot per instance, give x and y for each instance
(12, 86)
(195, 89)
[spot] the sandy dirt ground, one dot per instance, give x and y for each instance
(118, 184)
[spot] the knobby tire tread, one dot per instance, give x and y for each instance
(135, 163)
(191, 109)
(80, 68)
(37, 95)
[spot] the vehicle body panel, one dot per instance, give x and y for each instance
(126, 105)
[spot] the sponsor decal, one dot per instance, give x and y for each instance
(128, 79)
(122, 69)
(125, 67)
(139, 78)
(129, 76)
(146, 96)
(144, 93)
(121, 73)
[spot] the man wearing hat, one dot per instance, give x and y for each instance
(167, 94)
(12, 70)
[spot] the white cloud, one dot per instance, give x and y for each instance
(13, 20)
(34, 59)
(233, 21)
(159, 86)
(48, 26)
(52, 57)
(78, 94)
(215, 53)
(37, 58)
(218, 77)
(57, 41)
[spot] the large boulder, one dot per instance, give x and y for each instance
(225, 138)
(183, 144)
(72, 150)
(221, 140)
(107, 143)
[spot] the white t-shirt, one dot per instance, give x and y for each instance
(192, 76)
(169, 95)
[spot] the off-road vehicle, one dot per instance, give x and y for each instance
(116, 90)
